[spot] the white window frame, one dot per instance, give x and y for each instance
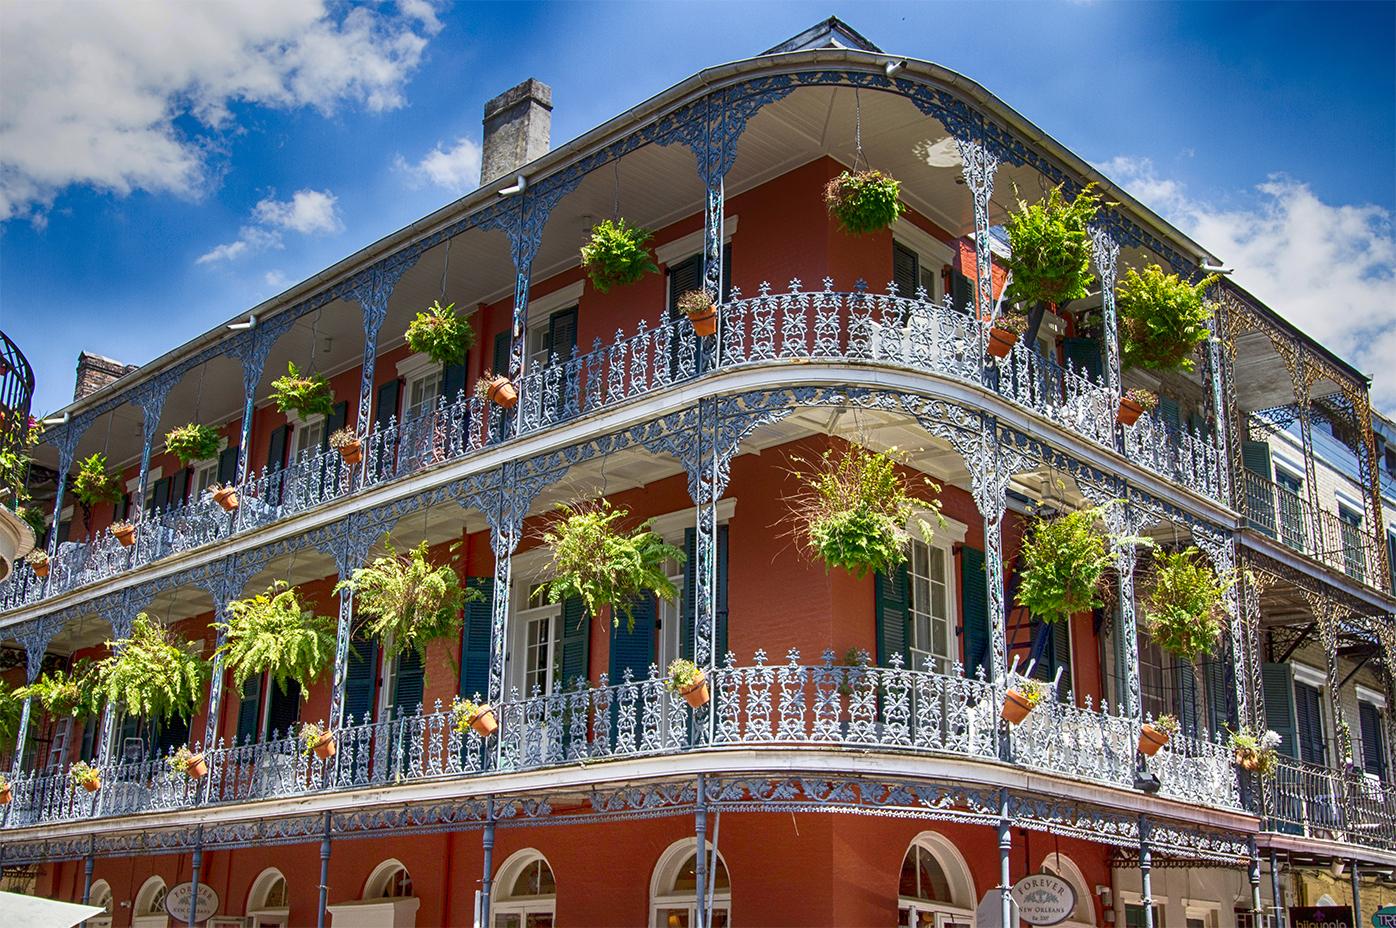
(666, 869)
(930, 252)
(523, 906)
(531, 574)
(259, 915)
(945, 534)
(148, 908)
(540, 312)
(96, 895)
(207, 469)
(957, 875)
(301, 428)
(414, 371)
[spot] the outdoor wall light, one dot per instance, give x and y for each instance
(1146, 782)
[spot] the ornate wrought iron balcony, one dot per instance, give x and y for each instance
(913, 334)
(822, 707)
(1344, 806)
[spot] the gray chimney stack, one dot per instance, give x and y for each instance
(518, 128)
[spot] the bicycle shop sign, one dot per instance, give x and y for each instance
(1044, 899)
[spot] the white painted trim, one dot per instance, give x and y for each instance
(561, 298)
(1351, 502)
(922, 242)
(1370, 696)
(1295, 466)
(692, 243)
(671, 524)
(414, 365)
(945, 532)
(155, 474)
(1305, 674)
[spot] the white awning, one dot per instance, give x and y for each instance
(37, 912)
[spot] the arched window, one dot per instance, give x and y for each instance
(673, 887)
(100, 896)
(149, 910)
(1083, 913)
(935, 889)
(389, 880)
(525, 893)
(269, 902)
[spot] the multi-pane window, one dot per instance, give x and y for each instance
(422, 392)
(932, 630)
(536, 641)
(1350, 526)
(1291, 508)
(309, 438)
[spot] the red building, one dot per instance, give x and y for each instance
(851, 767)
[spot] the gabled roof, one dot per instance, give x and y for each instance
(832, 33)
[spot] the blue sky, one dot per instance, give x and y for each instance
(222, 133)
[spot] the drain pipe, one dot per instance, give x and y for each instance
(1146, 862)
(487, 881)
(712, 863)
(324, 874)
(1280, 918)
(700, 862)
(197, 865)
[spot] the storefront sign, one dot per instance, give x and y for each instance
(177, 902)
(1321, 916)
(1044, 899)
(1384, 917)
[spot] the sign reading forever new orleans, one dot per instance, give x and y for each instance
(1321, 916)
(1044, 899)
(177, 902)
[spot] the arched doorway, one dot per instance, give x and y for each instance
(673, 888)
(525, 894)
(935, 889)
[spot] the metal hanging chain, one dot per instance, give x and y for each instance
(314, 340)
(859, 157)
(199, 397)
(106, 445)
(615, 203)
(445, 266)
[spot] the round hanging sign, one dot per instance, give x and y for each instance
(177, 902)
(1044, 899)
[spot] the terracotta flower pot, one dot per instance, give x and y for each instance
(325, 748)
(41, 570)
(1001, 341)
(1151, 740)
(1015, 707)
(92, 785)
(6, 796)
(227, 497)
(503, 393)
(198, 767)
(697, 695)
(352, 453)
(705, 322)
(1129, 412)
(484, 723)
(126, 535)
(1247, 760)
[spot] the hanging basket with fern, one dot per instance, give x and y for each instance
(273, 633)
(192, 442)
(617, 254)
(152, 675)
(864, 201)
(441, 334)
(1185, 612)
(92, 484)
(304, 394)
(1050, 248)
(1164, 319)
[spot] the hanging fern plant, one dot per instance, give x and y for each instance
(1051, 248)
(604, 565)
(854, 506)
(1164, 319)
(1063, 560)
(273, 633)
(192, 442)
(407, 601)
(1184, 613)
(441, 334)
(74, 693)
(864, 201)
(305, 394)
(11, 705)
(92, 484)
(150, 674)
(617, 254)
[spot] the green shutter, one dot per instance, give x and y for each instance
(892, 604)
(721, 593)
(562, 333)
(475, 639)
(283, 709)
(688, 592)
(633, 650)
(409, 683)
(160, 499)
(276, 447)
(501, 353)
(179, 486)
(576, 642)
(1170, 413)
(360, 678)
(1260, 500)
(1220, 705)
(228, 464)
(249, 707)
(974, 592)
(1061, 657)
(906, 270)
(1373, 744)
(1185, 686)
(386, 408)
(1277, 682)
(170, 734)
(1084, 354)
(1308, 716)
(338, 418)
(453, 381)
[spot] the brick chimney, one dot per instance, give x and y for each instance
(518, 129)
(95, 372)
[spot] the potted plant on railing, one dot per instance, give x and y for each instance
(92, 485)
(318, 740)
(304, 394)
(6, 791)
(686, 678)
(864, 201)
(854, 506)
(1184, 612)
(406, 601)
(441, 334)
(1153, 736)
(348, 445)
(1134, 404)
(225, 495)
(1163, 318)
(192, 442)
(596, 560)
(185, 761)
(1050, 245)
(1022, 697)
(151, 675)
(617, 254)
(38, 562)
(1063, 560)
(1004, 333)
(272, 633)
(497, 389)
(123, 531)
(468, 714)
(85, 775)
(702, 314)
(1255, 752)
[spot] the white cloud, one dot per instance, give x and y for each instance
(251, 238)
(456, 168)
(307, 211)
(1330, 269)
(131, 96)
(276, 279)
